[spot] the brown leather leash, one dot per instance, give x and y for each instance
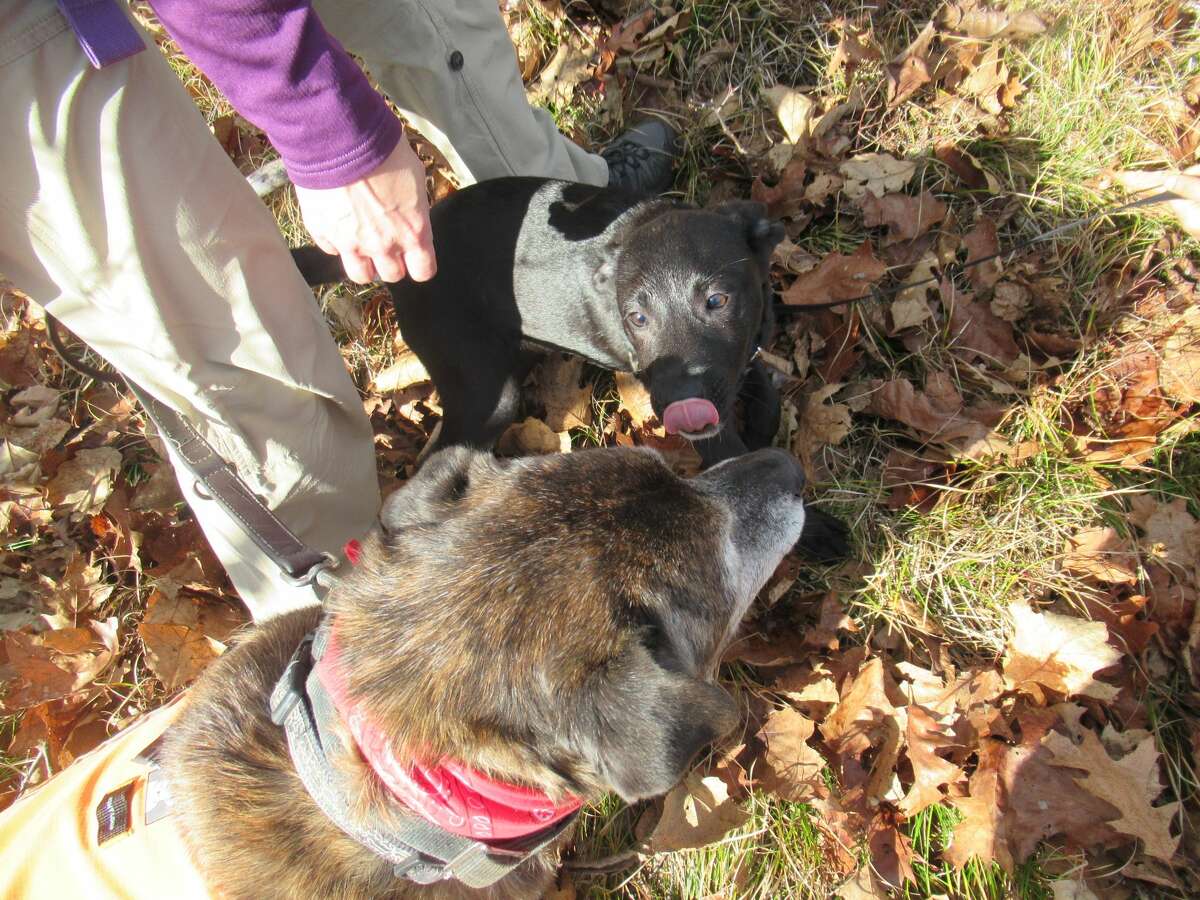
(215, 479)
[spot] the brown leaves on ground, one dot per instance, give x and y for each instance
(696, 813)
(837, 277)
(92, 525)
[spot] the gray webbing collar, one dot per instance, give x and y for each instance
(417, 849)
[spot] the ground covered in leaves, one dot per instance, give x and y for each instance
(1000, 693)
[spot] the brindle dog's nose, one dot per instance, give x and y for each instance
(783, 468)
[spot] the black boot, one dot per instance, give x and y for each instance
(641, 160)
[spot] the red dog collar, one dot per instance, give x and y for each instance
(449, 794)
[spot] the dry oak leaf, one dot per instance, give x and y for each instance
(911, 306)
(924, 737)
(832, 619)
(532, 437)
(406, 371)
(982, 265)
(864, 712)
(84, 482)
(792, 767)
(51, 665)
(177, 654)
(1018, 798)
(877, 173)
(862, 885)
(991, 24)
(910, 70)
(568, 404)
(821, 423)
(794, 110)
(696, 813)
(810, 690)
(1179, 363)
(838, 277)
(975, 330)
(82, 587)
(1172, 533)
(635, 400)
(1101, 554)
(1131, 784)
(1059, 653)
(906, 217)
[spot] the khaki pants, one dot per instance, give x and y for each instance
(123, 218)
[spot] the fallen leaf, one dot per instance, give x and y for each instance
(1102, 554)
(860, 717)
(862, 885)
(924, 737)
(1010, 301)
(84, 482)
(1059, 653)
(891, 850)
(910, 69)
(568, 404)
(975, 331)
(877, 173)
(792, 767)
(983, 266)
(1172, 533)
(81, 587)
(986, 24)
(839, 276)
(177, 654)
(967, 168)
(906, 217)
(531, 437)
(1131, 784)
(794, 110)
(406, 371)
(51, 665)
(821, 423)
(696, 813)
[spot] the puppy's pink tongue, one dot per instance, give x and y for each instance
(692, 415)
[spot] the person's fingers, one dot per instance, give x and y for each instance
(358, 268)
(324, 244)
(390, 266)
(419, 258)
(421, 264)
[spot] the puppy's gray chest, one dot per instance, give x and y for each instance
(564, 288)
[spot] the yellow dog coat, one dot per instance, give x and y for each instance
(101, 828)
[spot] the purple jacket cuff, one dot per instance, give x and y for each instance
(283, 71)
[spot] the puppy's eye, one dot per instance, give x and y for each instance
(637, 319)
(716, 301)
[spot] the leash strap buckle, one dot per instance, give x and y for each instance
(289, 689)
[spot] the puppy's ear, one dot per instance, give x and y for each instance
(652, 725)
(762, 233)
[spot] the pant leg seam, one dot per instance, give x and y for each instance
(440, 28)
(32, 37)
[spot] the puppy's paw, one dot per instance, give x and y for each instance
(761, 407)
(824, 539)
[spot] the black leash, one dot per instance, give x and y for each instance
(793, 308)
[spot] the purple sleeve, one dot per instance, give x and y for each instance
(283, 71)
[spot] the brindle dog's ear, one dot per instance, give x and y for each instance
(442, 478)
(652, 725)
(762, 233)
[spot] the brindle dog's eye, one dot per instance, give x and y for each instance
(637, 319)
(716, 301)
(457, 488)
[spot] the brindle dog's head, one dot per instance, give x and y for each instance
(558, 620)
(696, 300)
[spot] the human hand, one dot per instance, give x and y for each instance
(378, 225)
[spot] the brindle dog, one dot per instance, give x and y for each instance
(555, 622)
